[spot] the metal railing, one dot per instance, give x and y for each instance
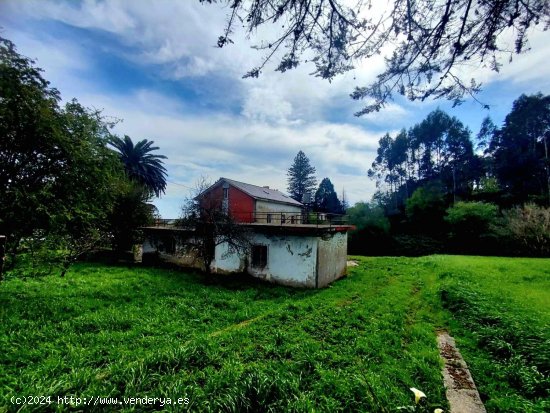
(289, 218)
(160, 222)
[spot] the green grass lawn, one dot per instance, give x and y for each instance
(238, 345)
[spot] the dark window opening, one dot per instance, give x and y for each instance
(225, 193)
(269, 218)
(259, 256)
(283, 219)
(168, 246)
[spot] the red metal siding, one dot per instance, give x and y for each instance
(241, 205)
(212, 198)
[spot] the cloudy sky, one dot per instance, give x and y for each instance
(153, 64)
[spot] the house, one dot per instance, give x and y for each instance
(286, 247)
(248, 203)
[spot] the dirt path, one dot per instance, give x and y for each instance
(459, 386)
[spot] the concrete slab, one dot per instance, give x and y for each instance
(459, 386)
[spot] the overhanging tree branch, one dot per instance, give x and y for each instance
(423, 40)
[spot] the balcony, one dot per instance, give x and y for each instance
(286, 219)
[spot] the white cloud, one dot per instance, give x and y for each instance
(249, 150)
(281, 113)
(266, 105)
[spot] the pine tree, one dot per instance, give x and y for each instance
(326, 199)
(301, 177)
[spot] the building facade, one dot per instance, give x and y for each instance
(247, 203)
(284, 247)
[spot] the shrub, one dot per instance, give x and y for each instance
(530, 225)
(471, 222)
(372, 227)
(425, 209)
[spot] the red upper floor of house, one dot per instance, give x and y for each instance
(248, 203)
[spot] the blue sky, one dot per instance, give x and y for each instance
(153, 64)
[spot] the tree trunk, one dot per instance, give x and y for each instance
(66, 264)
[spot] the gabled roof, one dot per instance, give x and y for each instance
(259, 192)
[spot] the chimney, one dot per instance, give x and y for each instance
(266, 187)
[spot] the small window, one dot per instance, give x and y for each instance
(268, 219)
(168, 246)
(292, 219)
(283, 219)
(259, 256)
(225, 193)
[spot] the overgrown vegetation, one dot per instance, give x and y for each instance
(502, 320)
(237, 345)
(440, 187)
(61, 186)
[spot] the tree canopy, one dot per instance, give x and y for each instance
(326, 199)
(55, 170)
(427, 44)
(440, 195)
(301, 177)
(519, 150)
(60, 184)
(140, 164)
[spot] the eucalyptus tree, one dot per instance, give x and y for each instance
(428, 45)
(520, 149)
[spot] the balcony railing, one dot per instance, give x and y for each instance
(290, 218)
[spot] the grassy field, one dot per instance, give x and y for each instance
(238, 345)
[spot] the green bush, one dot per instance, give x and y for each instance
(530, 226)
(472, 224)
(371, 236)
(425, 209)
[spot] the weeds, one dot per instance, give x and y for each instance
(506, 345)
(232, 345)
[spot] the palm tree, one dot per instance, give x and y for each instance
(140, 164)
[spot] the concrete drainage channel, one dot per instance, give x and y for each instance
(460, 388)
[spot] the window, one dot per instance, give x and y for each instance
(259, 256)
(283, 219)
(168, 246)
(225, 193)
(268, 219)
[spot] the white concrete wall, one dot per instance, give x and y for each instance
(291, 260)
(332, 257)
(224, 262)
(296, 260)
(263, 207)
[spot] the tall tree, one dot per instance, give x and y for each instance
(520, 149)
(148, 175)
(426, 42)
(326, 199)
(301, 177)
(140, 164)
(485, 134)
(56, 175)
(31, 144)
